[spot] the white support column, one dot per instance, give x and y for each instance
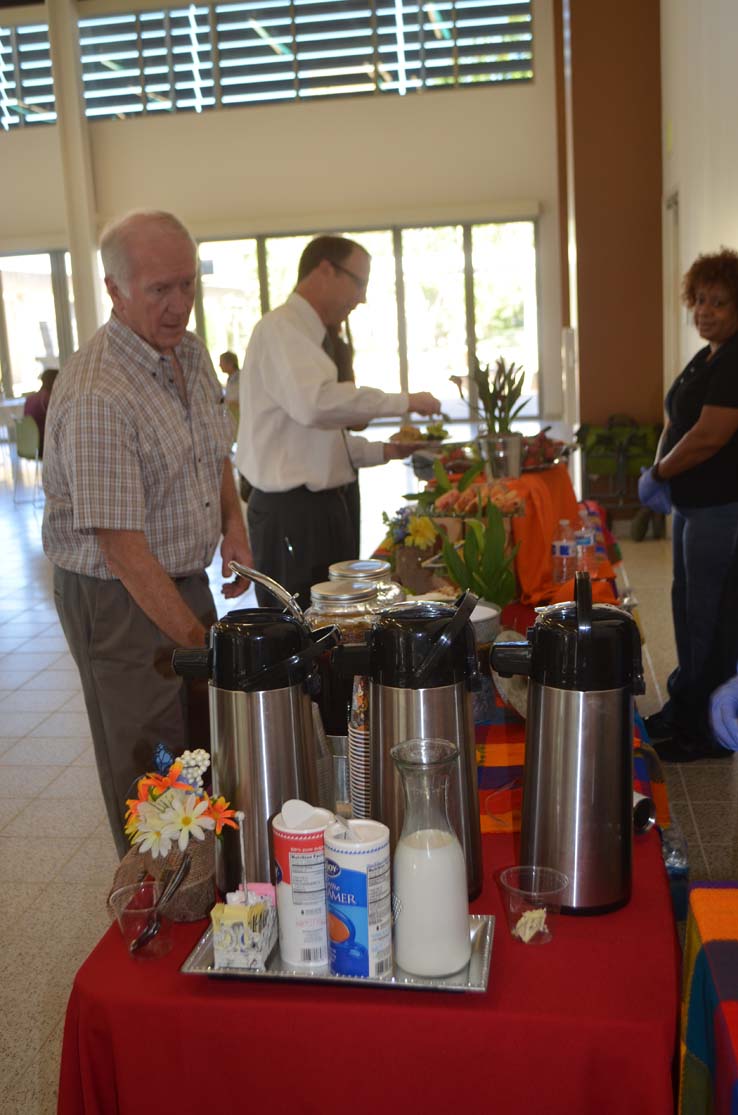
(77, 177)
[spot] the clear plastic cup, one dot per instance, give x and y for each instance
(133, 907)
(532, 901)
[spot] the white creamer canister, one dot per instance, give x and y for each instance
(300, 875)
(358, 893)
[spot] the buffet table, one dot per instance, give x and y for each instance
(586, 1023)
(709, 1044)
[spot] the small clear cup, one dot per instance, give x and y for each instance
(133, 908)
(532, 901)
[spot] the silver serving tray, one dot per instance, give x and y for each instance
(472, 978)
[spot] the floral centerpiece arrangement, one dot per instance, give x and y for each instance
(498, 393)
(411, 539)
(172, 808)
(465, 522)
(407, 528)
(482, 562)
(172, 816)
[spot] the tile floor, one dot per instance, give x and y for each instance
(56, 855)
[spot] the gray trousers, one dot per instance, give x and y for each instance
(133, 697)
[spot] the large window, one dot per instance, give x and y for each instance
(505, 300)
(282, 257)
(374, 324)
(194, 57)
(230, 292)
(30, 318)
(433, 266)
(439, 298)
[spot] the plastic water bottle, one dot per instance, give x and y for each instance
(585, 544)
(564, 553)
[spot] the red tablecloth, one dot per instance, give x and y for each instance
(587, 1023)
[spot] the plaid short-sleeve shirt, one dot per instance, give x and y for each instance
(123, 452)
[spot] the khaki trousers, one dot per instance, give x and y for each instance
(133, 697)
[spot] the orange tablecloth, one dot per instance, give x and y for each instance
(549, 497)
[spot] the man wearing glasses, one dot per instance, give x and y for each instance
(292, 443)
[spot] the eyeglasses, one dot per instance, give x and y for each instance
(361, 284)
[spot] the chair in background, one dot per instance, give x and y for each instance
(27, 444)
(612, 458)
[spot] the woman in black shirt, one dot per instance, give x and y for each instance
(697, 464)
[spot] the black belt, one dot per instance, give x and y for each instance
(303, 490)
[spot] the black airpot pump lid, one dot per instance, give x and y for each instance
(405, 637)
(603, 653)
(249, 640)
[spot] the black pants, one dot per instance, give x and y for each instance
(133, 697)
(296, 535)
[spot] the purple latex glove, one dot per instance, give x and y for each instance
(654, 493)
(724, 714)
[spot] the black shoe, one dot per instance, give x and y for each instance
(682, 749)
(659, 727)
(639, 524)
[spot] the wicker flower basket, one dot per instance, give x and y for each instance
(409, 571)
(196, 896)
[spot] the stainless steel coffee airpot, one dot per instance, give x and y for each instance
(584, 665)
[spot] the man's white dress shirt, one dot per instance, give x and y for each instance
(294, 412)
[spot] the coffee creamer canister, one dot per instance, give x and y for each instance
(300, 877)
(358, 898)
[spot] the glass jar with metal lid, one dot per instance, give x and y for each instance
(374, 570)
(351, 605)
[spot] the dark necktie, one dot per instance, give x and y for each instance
(328, 346)
(330, 350)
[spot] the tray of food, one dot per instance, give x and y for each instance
(474, 977)
(542, 452)
(433, 437)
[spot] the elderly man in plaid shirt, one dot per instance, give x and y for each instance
(139, 490)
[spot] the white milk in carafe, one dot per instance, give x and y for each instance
(432, 927)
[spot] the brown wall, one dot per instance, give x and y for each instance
(616, 129)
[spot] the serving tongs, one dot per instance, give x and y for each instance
(153, 925)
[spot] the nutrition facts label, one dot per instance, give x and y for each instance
(308, 878)
(380, 917)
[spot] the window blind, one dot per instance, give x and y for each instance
(26, 84)
(200, 56)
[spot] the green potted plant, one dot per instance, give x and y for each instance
(500, 404)
(481, 563)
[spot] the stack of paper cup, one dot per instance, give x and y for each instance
(299, 856)
(358, 896)
(360, 772)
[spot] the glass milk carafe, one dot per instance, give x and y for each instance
(429, 872)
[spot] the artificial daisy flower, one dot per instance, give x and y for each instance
(152, 838)
(147, 813)
(186, 817)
